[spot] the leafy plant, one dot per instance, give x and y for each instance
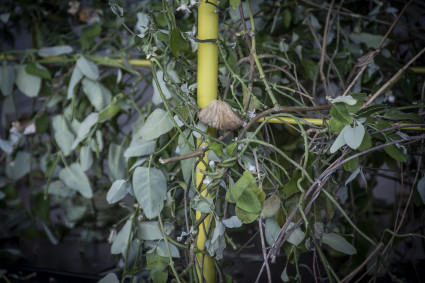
(87, 127)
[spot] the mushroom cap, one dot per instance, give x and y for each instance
(218, 114)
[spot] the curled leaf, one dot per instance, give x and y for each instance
(219, 115)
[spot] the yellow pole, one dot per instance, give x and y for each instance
(207, 91)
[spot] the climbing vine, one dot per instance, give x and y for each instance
(324, 102)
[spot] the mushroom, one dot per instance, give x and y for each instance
(218, 114)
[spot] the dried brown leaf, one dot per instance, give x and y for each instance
(367, 59)
(219, 115)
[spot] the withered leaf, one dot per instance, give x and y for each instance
(218, 114)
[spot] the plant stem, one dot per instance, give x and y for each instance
(168, 246)
(257, 61)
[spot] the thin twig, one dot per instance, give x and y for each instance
(355, 271)
(378, 48)
(171, 262)
(263, 245)
(324, 43)
(391, 81)
(199, 152)
(251, 58)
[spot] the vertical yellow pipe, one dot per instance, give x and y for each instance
(207, 53)
(207, 91)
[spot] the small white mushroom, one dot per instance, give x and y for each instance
(218, 114)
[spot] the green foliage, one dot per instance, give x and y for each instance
(338, 243)
(86, 130)
(158, 266)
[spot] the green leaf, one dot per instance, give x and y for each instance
(86, 158)
(116, 162)
(339, 141)
(142, 24)
(88, 68)
(366, 143)
(186, 164)
(291, 186)
(109, 112)
(75, 212)
(117, 9)
(335, 126)
(271, 230)
(271, 206)
(309, 67)
(234, 4)
(149, 231)
(98, 95)
(352, 165)
(88, 34)
(28, 84)
(254, 103)
(76, 77)
(284, 276)
(158, 267)
(397, 115)
(245, 216)
(217, 148)
(231, 148)
(42, 124)
(162, 81)
(19, 166)
(140, 42)
(339, 112)
(287, 17)
(121, 240)
(342, 99)
(118, 191)
(6, 146)
(157, 124)
(247, 196)
(353, 176)
(7, 79)
(232, 222)
(162, 249)
(354, 136)
(248, 201)
(40, 206)
(50, 235)
(63, 135)
(85, 128)
(177, 42)
(359, 97)
(371, 40)
(39, 71)
(58, 188)
(396, 153)
(217, 243)
(369, 111)
(296, 236)
(338, 243)
(144, 148)
(54, 51)
(421, 188)
(150, 190)
(75, 178)
(391, 134)
(161, 36)
(242, 184)
(203, 204)
(109, 278)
